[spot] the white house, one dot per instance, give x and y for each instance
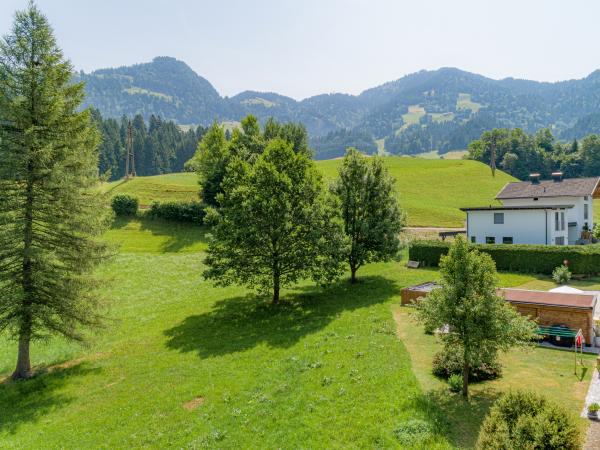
(553, 212)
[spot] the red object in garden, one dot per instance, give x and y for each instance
(578, 342)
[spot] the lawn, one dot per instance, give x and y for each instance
(431, 191)
(173, 186)
(182, 363)
(546, 371)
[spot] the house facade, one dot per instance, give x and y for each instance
(550, 212)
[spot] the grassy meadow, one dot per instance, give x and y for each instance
(431, 191)
(182, 363)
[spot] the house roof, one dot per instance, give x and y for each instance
(559, 299)
(507, 208)
(568, 187)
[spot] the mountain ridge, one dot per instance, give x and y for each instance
(440, 109)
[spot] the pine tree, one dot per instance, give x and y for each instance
(51, 213)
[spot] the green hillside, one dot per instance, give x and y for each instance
(432, 191)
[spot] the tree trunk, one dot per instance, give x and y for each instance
(275, 289)
(465, 389)
(353, 278)
(23, 369)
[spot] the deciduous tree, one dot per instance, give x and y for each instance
(275, 224)
(467, 307)
(51, 212)
(372, 217)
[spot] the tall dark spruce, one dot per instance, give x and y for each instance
(51, 211)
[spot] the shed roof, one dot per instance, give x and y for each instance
(569, 187)
(559, 299)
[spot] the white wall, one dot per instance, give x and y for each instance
(524, 226)
(576, 214)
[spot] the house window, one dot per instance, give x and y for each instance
(560, 240)
(586, 211)
(585, 198)
(559, 221)
(535, 199)
(490, 240)
(473, 240)
(507, 240)
(498, 218)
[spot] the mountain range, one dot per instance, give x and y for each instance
(442, 109)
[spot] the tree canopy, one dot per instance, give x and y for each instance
(474, 318)
(520, 154)
(275, 224)
(372, 218)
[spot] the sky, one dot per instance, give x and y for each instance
(301, 48)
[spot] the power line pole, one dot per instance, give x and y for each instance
(129, 169)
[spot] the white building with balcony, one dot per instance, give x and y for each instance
(553, 212)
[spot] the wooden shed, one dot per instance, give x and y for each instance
(552, 308)
(413, 293)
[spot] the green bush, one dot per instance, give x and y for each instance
(455, 382)
(528, 420)
(413, 431)
(124, 205)
(449, 361)
(583, 259)
(561, 274)
(192, 212)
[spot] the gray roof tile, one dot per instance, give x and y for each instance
(569, 187)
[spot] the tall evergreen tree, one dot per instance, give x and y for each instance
(51, 213)
(372, 218)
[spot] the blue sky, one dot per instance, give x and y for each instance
(306, 47)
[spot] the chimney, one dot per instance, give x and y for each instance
(534, 178)
(557, 176)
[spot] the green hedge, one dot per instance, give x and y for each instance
(517, 257)
(192, 212)
(124, 205)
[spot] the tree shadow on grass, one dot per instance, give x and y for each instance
(179, 235)
(241, 323)
(459, 420)
(29, 400)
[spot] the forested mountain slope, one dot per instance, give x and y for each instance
(442, 109)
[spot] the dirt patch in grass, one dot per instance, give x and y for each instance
(193, 404)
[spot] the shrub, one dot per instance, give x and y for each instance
(124, 205)
(413, 431)
(528, 420)
(594, 407)
(449, 361)
(192, 212)
(561, 274)
(455, 382)
(583, 259)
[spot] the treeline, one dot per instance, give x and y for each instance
(520, 154)
(443, 136)
(334, 144)
(159, 146)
